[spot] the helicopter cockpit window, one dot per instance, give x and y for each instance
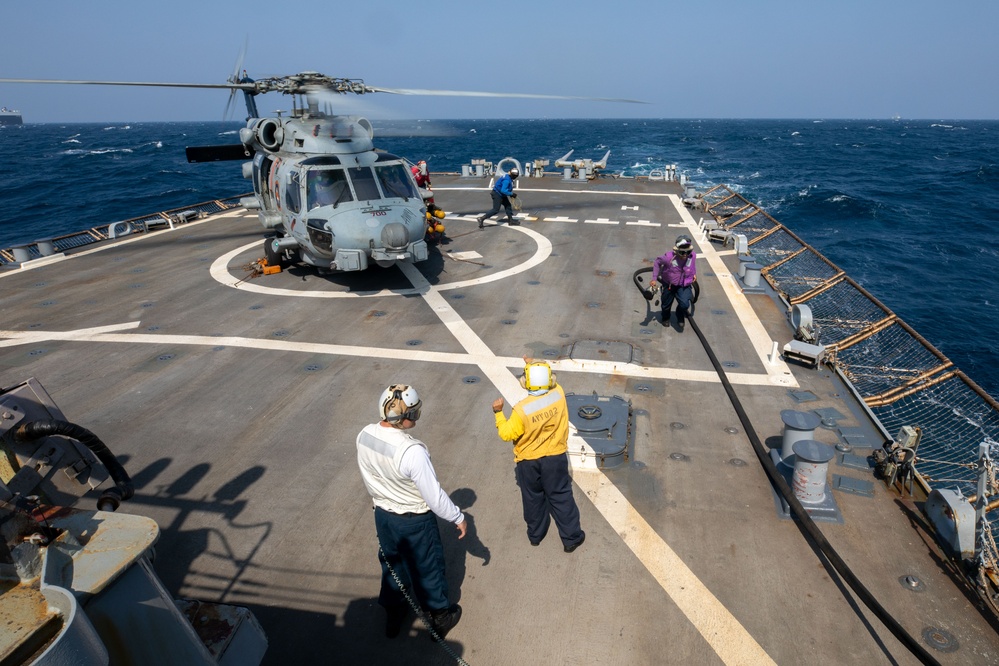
(293, 194)
(364, 183)
(396, 182)
(327, 187)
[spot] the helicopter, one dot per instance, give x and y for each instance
(322, 191)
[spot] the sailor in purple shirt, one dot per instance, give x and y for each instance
(676, 272)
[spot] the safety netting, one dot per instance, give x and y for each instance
(901, 377)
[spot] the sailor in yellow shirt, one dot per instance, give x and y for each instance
(539, 429)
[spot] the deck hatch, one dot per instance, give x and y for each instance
(604, 423)
(853, 486)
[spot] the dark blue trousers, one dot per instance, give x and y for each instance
(499, 201)
(546, 488)
(682, 295)
(412, 545)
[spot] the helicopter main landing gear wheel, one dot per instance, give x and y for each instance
(273, 257)
(278, 257)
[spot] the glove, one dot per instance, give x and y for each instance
(513, 196)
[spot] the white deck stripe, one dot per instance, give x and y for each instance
(528, 190)
(13, 338)
(778, 372)
(722, 631)
(220, 272)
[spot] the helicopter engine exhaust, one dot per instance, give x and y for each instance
(269, 133)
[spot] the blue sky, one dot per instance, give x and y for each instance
(711, 59)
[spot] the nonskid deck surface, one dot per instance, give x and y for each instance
(236, 403)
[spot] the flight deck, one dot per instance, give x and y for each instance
(234, 400)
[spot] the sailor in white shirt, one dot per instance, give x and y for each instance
(401, 480)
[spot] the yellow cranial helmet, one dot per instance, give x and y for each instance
(537, 377)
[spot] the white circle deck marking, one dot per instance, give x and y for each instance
(220, 272)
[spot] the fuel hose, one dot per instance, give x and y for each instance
(649, 294)
(805, 521)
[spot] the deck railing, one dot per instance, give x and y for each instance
(144, 224)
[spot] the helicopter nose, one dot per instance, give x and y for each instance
(395, 236)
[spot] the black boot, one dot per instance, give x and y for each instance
(444, 620)
(393, 620)
(481, 218)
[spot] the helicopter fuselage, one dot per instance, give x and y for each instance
(332, 200)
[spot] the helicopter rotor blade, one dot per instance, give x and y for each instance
(227, 115)
(227, 86)
(239, 61)
(338, 100)
(467, 93)
(310, 82)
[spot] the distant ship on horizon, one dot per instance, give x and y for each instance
(10, 117)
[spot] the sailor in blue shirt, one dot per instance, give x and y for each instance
(502, 192)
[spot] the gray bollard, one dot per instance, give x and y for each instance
(744, 260)
(752, 275)
(45, 247)
(811, 464)
(798, 426)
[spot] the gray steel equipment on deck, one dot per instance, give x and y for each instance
(604, 423)
(811, 462)
(79, 586)
(798, 426)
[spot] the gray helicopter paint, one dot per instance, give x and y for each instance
(348, 235)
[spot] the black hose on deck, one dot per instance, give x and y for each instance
(111, 498)
(650, 294)
(806, 521)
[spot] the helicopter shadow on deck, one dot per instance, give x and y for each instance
(293, 635)
(186, 546)
(375, 278)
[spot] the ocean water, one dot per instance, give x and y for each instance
(906, 207)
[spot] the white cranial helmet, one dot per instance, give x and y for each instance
(399, 402)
